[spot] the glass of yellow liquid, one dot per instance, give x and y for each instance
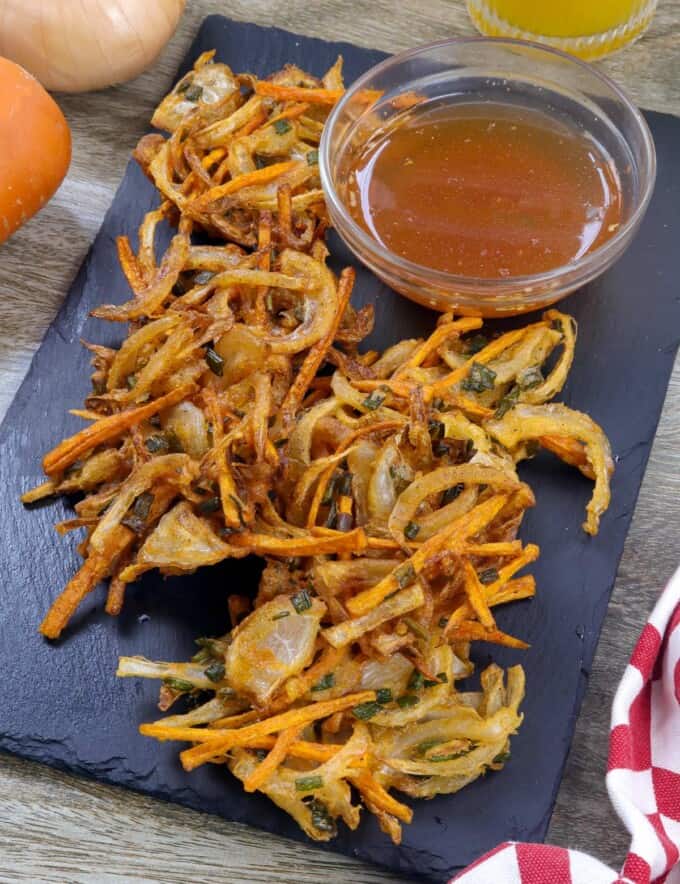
(587, 28)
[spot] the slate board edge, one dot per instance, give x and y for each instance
(17, 407)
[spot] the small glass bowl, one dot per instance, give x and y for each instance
(497, 70)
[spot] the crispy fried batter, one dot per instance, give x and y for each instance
(383, 497)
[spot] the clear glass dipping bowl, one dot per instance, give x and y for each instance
(508, 71)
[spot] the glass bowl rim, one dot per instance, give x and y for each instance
(588, 265)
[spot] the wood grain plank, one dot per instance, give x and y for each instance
(55, 827)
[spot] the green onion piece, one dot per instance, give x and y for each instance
(193, 93)
(451, 757)
(530, 377)
(436, 429)
(476, 343)
(452, 493)
(178, 684)
(202, 656)
(489, 575)
(176, 446)
(407, 701)
(301, 601)
(423, 747)
(501, 758)
(157, 443)
(400, 477)
(184, 85)
(215, 361)
(430, 683)
(215, 672)
(411, 530)
(308, 784)
(416, 628)
(327, 498)
(327, 681)
(374, 400)
(480, 378)
(405, 575)
(443, 677)
(364, 711)
(321, 818)
(313, 158)
(281, 615)
(143, 504)
(332, 515)
(282, 126)
(416, 681)
(383, 695)
(211, 505)
(507, 402)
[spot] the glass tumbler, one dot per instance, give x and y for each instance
(586, 28)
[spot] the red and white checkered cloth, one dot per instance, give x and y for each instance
(643, 775)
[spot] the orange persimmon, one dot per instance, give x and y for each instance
(35, 147)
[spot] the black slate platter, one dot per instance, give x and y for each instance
(65, 706)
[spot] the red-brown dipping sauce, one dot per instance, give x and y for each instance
(483, 190)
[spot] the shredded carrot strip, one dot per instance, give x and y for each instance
(197, 755)
(107, 429)
(231, 721)
(258, 119)
(298, 93)
(263, 544)
(290, 113)
(213, 157)
(475, 593)
(436, 339)
(267, 767)
(485, 355)
(529, 554)
(509, 548)
(249, 179)
(371, 789)
(399, 388)
(456, 533)
(569, 450)
(317, 353)
(471, 630)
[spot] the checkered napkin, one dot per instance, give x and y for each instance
(643, 775)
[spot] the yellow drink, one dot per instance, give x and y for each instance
(587, 28)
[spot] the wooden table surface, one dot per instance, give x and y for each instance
(60, 828)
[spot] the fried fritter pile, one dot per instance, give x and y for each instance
(240, 416)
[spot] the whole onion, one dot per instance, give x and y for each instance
(78, 46)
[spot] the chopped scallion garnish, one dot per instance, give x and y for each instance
(325, 682)
(480, 378)
(215, 361)
(308, 784)
(301, 601)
